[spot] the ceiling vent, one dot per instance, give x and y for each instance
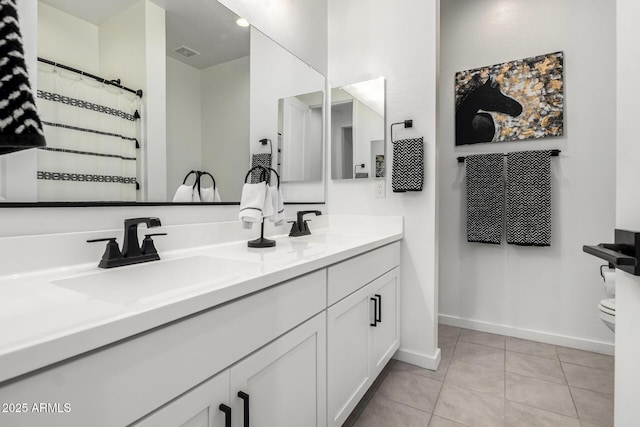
(186, 52)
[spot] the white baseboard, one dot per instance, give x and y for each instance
(528, 334)
(418, 359)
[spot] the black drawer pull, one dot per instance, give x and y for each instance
(375, 312)
(227, 414)
(244, 396)
(379, 307)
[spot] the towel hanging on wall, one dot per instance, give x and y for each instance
(528, 207)
(408, 165)
(20, 127)
(485, 197)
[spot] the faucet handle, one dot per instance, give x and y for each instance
(111, 252)
(148, 248)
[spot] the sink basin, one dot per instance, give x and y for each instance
(159, 279)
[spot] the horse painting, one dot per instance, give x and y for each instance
(473, 123)
(511, 101)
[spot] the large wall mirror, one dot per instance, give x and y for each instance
(212, 90)
(357, 130)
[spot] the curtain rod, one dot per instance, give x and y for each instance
(100, 79)
(554, 153)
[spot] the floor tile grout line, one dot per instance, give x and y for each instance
(569, 388)
(444, 378)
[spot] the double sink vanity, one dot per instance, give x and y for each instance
(211, 335)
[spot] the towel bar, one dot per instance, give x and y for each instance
(554, 153)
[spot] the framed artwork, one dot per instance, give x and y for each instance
(379, 165)
(511, 101)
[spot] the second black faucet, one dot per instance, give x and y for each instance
(300, 227)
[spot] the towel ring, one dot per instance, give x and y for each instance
(265, 175)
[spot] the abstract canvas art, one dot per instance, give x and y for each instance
(511, 101)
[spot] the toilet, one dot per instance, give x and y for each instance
(607, 306)
(607, 309)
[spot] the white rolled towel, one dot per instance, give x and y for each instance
(184, 194)
(210, 194)
(252, 204)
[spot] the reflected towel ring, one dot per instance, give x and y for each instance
(210, 176)
(184, 181)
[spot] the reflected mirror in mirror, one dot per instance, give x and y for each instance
(357, 130)
(300, 137)
(192, 62)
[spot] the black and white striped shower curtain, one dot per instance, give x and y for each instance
(92, 130)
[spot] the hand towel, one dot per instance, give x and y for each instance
(209, 194)
(528, 206)
(252, 203)
(269, 210)
(259, 159)
(485, 197)
(278, 205)
(408, 165)
(184, 194)
(20, 126)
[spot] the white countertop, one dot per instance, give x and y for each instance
(49, 316)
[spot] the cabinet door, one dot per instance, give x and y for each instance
(348, 348)
(199, 407)
(284, 383)
(386, 333)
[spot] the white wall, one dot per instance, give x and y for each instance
(301, 26)
(627, 381)
(225, 125)
(396, 40)
(550, 294)
(184, 123)
(66, 39)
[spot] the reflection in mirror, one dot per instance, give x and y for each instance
(192, 62)
(278, 76)
(357, 130)
(300, 137)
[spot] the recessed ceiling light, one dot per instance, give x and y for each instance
(242, 22)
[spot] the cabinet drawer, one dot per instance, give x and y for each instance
(349, 276)
(127, 380)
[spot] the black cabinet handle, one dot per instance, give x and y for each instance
(375, 312)
(244, 396)
(227, 414)
(379, 307)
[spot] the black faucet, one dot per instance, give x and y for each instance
(300, 227)
(131, 253)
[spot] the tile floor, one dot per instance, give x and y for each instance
(491, 380)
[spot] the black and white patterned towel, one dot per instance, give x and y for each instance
(528, 216)
(20, 127)
(408, 165)
(260, 159)
(485, 197)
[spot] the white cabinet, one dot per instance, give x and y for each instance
(298, 354)
(284, 383)
(363, 334)
(386, 334)
(200, 407)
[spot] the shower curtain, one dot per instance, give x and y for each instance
(92, 130)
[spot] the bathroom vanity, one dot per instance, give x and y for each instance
(218, 335)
